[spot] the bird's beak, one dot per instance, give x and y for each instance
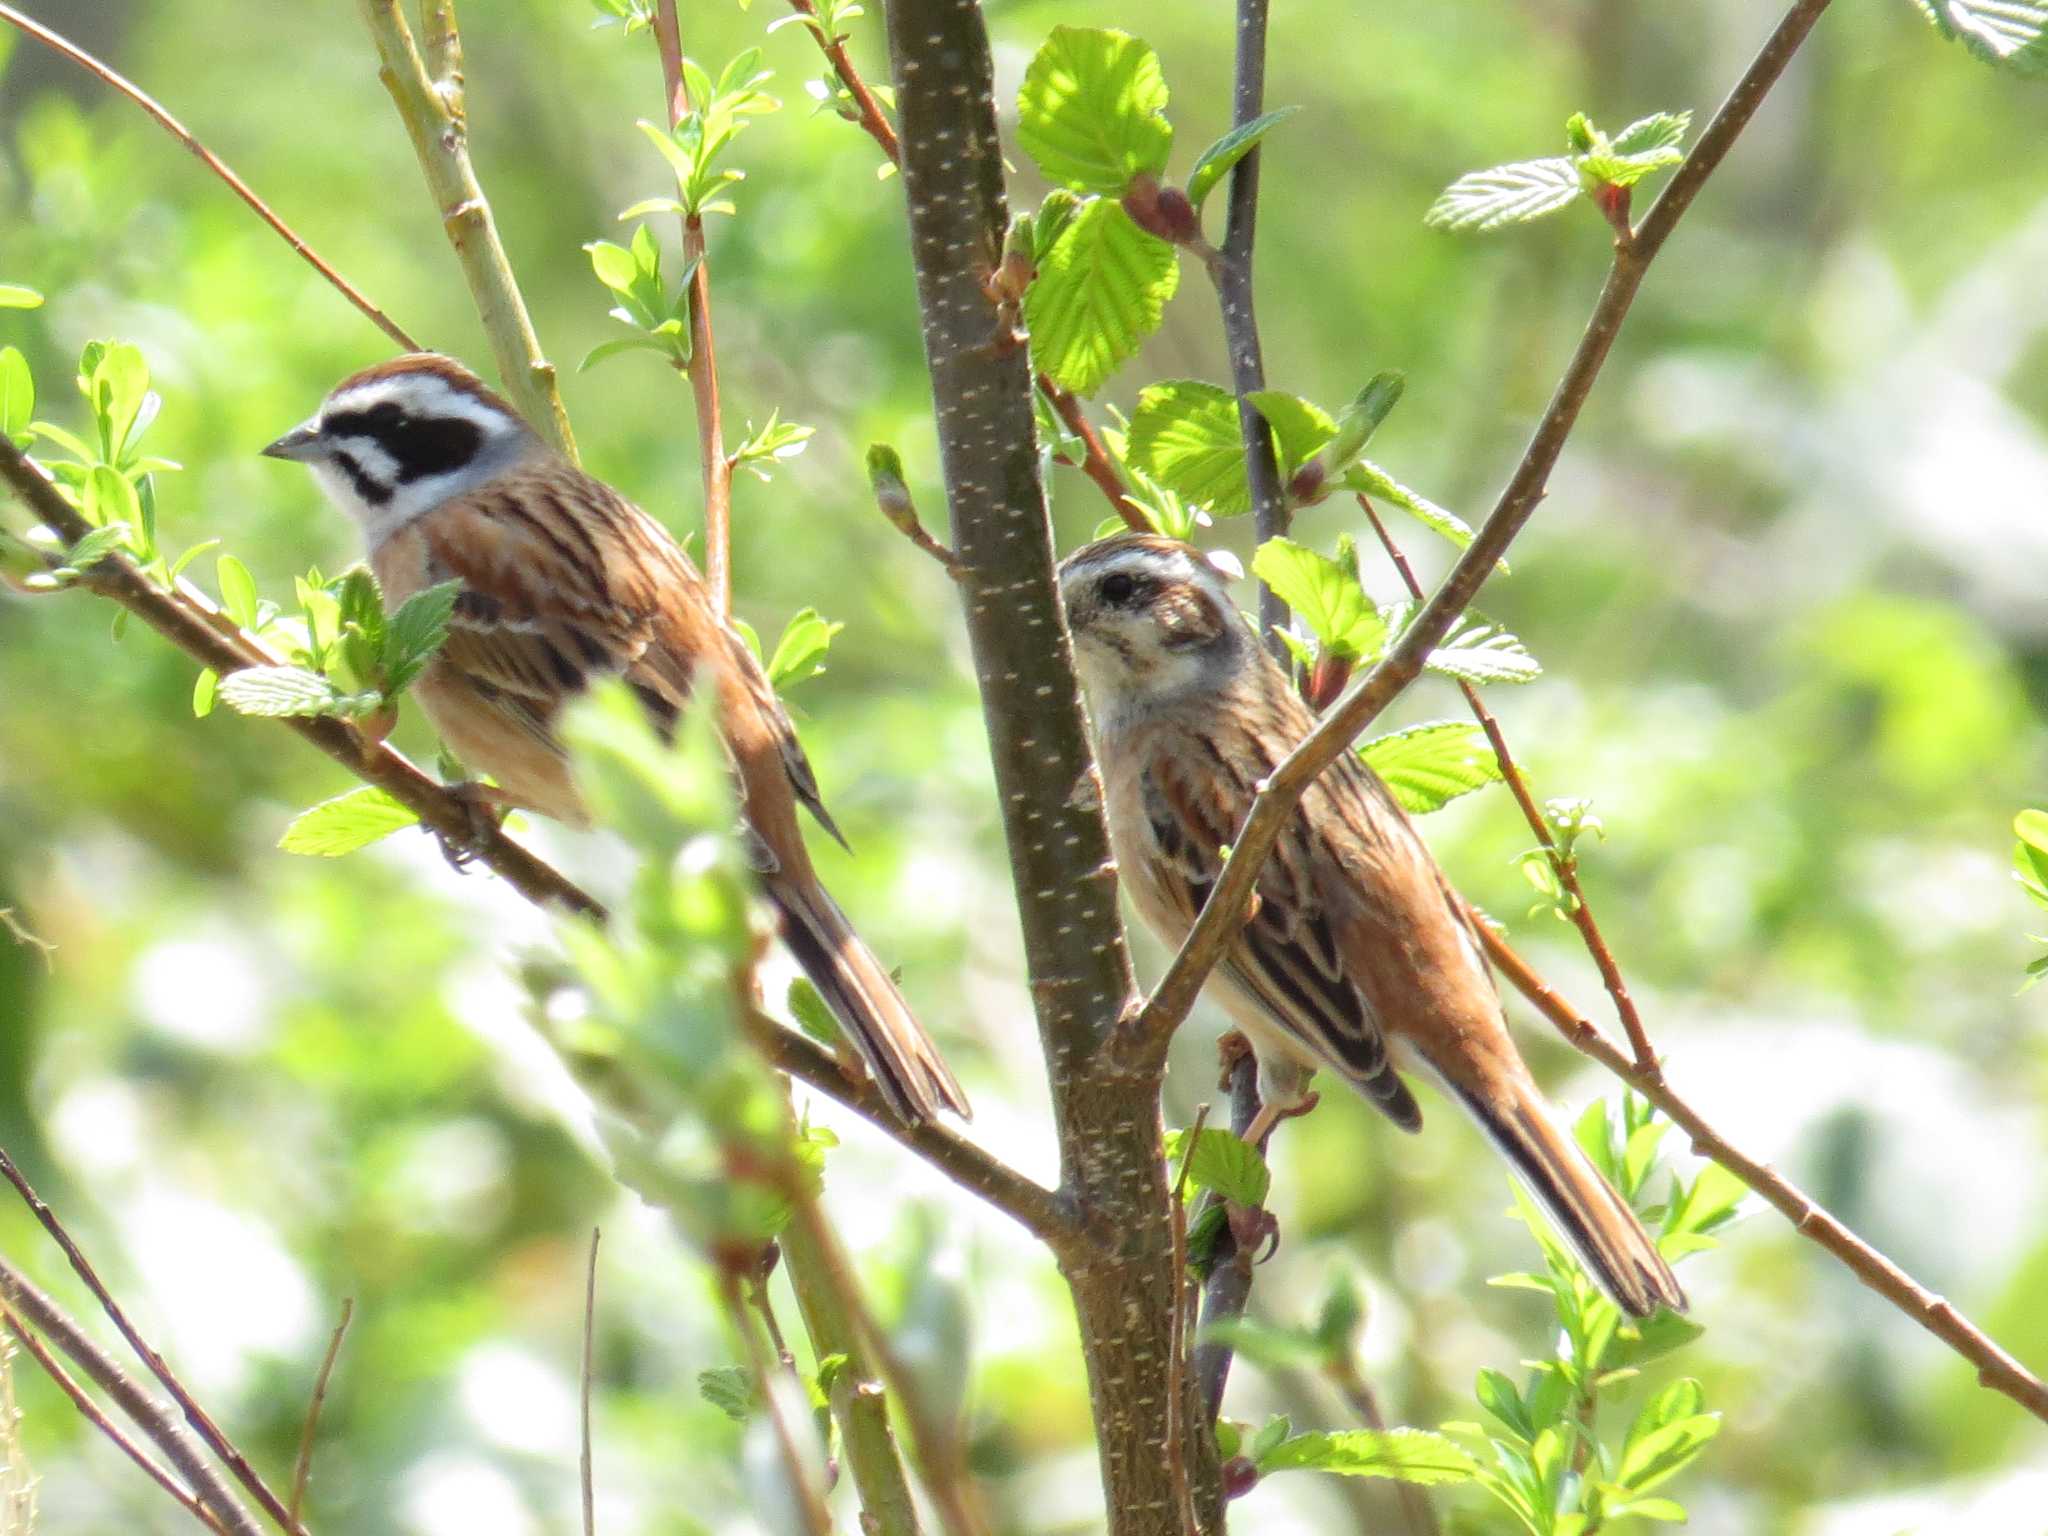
(300, 444)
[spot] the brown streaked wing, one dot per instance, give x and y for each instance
(1286, 956)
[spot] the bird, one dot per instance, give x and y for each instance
(1357, 958)
(565, 582)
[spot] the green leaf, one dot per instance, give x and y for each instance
(1707, 1205)
(1270, 1437)
(416, 632)
(1054, 215)
(1506, 194)
(2031, 827)
(1357, 422)
(1428, 766)
(1224, 1163)
(613, 264)
(1215, 161)
(730, 1389)
(15, 296)
(1663, 1453)
(117, 384)
(282, 691)
(1484, 654)
(237, 591)
(1092, 110)
(1184, 434)
(1627, 170)
(97, 545)
(1660, 130)
(110, 498)
(800, 653)
(1368, 479)
(1406, 1455)
(808, 1008)
(1654, 1338)
(345, 823)
(2010, 33)
(1099, 293)
(1327, 595)
(1499, 1397)
(1300, 428)
(17, 393)
(205, 689)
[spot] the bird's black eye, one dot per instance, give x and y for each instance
(1119, 587)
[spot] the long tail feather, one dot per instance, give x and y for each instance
(1587, 1211)
(907, 1067)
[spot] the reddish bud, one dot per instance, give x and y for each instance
(1326, 679)
(1240, 1477)
(1162, 211)
(1309, 484)
(1614, 203)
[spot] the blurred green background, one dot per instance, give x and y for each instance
(1788, 588)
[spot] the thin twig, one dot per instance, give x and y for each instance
(858, 1396)
(703, 368)
(201, 1422)
(189, 620)
(872, 120)
(1232, 275)
(1177, 1356)
(1096, 462)
(585, 1464)
(95, 1415)
(941, 1458)
(22, 935)
(1995, 1368)
(1040, 1211)
(1229, 1285)
(212, 162)
(803, 1486)
(302, 1467)
(431, 104)
(1145, 1034)
(1416, 1511)
(1581, 911)
(155, 1419)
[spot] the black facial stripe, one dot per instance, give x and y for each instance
(421, 446)
(371, 491)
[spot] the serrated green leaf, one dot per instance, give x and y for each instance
(17, 393)
(730, 1389)
(1627, 170)
(1484, 654)
(1428, 766)
(1092, 110)
(1505, 194)
(1326, 594)
(1660, 130)
(1300, 428)
(1222, 1162)
(15, 296)
(1053, 217)
(1215, 161)
(416, 632)
(97, 545)
(800, 652)
(1099, 293)
(1368, 479)
(807, 1007)
(345, 823)
(2010, 33)
(282, 691)
(1184, 434)
(1405, 1455)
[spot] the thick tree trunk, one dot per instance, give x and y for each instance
(1113, 1169)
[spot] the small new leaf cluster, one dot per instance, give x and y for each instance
(1545, 867)
(105, 476)
(630, 15)
(800, 651)
(1600, 165)
(719, 109)
(660, 320)
(1092, 114)
(2030, 869)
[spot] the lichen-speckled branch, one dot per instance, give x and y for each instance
(1111, 1148)
(430, 101)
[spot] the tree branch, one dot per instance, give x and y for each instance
(703, 368)
(1147, 1031)
(156, 1419)
(1995, 1368)
(430, 102)
(211, 161)
(1232, 273)
(302, 1468)
(189, 620)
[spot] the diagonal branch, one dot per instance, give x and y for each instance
(428, 92)
(211, 161)
(1145, 1034)
(1996, 1368)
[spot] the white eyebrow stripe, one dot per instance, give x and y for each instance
(426, 394)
